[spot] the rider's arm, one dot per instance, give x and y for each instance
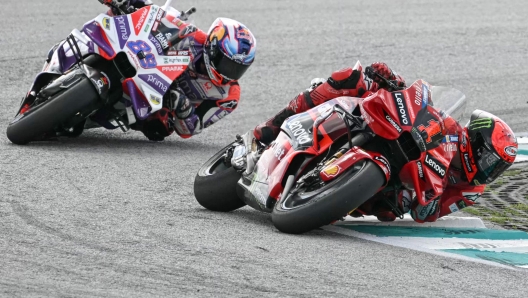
(454, 199)
(221, 107)
(451, 200)
(209, 112)
(345, 82)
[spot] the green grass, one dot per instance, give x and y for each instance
(499, 181)
(499, 216)
(498, 220)
(511, 173)
(473, 210)
(523, 207)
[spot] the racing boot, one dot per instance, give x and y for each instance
(344, 82)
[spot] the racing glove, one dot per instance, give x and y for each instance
(385, 71)
(181, 105)
(128, 6)
(159, 125)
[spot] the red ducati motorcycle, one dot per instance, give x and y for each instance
(330, 160)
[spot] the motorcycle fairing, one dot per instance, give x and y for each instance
(294, 144)
(350, 158)
(392, 114)
(132, 34)
(256, 186)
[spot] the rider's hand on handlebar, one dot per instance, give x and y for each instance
(181, 104)
(378, 69)
(383, 70)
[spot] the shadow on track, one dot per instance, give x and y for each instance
(263, 220)
(90, 141)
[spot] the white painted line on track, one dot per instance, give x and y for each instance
(407, 221)
(464, 238)
(413, 246)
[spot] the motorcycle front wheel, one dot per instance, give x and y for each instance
(305, 209)
(43, 118)
(215, 184)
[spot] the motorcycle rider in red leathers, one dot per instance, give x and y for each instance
(486, 146)
(209, 89)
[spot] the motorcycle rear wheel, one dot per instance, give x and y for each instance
(45, 117)
(307, 209)
(215, 185)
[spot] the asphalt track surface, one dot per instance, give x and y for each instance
(112, 215)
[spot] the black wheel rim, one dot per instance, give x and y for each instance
(305, 195)
(216, 167)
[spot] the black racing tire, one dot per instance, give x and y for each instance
(44, 118)
(215, 185)
(301, 212)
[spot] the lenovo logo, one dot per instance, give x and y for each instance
(435, 165)
(401, 106)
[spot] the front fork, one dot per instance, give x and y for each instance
(245, 155)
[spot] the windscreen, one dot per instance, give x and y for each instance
(450, 101)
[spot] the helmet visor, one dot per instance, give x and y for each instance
(490, 166)
(228, 68)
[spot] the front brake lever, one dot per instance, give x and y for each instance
(369, 71)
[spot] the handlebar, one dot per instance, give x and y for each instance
(371, 73)
(118, 4)
(185, 15)
(335, 109)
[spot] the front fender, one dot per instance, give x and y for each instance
(350, 158)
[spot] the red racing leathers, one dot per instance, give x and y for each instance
(457, 194)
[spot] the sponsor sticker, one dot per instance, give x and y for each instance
(181, 60)
(123, 30)
(298, 131)
(435, 165)
(401, 106)
(155, 82)
(471, 196)
(467, 162)
(155, 100)
(239, 57)
(429, 209)
(391, 121)
(384, 162)
(106, 23)
(481, 123)
(156, 44)
(151, 18)
(140, 20)
(171, 68)
(278, 151)
(187, 30)
(332, 171)
(162, 39)
(229, 105)
(420, 170)
(449, 147)
(453, 207)
(511, 151)
(433, 128)
(425, 95)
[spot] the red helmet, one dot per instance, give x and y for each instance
(491, 150)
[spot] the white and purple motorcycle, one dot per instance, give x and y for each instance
(114, 72)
